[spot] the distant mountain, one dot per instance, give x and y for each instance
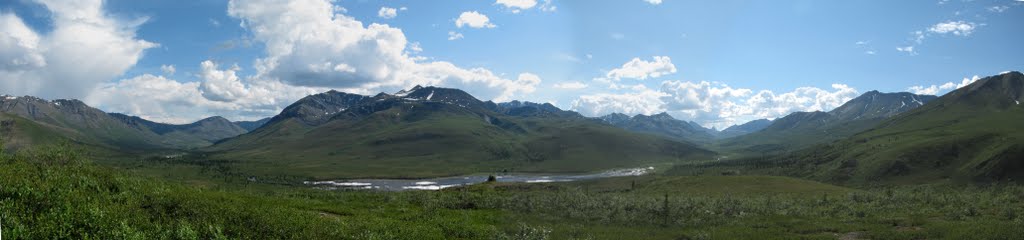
(971, 134)
(430, 131)
(661, 124)
(875, 105)
(252, 125)
(746, 128)
(801, 129)
(32, 120)
(319, 108)
(524, 109)
(56, 120)
(198, 134)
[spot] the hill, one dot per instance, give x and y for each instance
(661, 124)
(252, 125)
(31, 120)
(429, 131)
(746, 128)
(972, 134)
(801, 129)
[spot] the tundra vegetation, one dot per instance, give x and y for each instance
(55, 191)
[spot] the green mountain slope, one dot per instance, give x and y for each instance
(198, 134)
(661, 124)
(252, 125)
(35, 120)
(971, 134)
(802, 129)
(78, 122)
(746, 128)
(434, 132)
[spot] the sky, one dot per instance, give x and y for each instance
(717, 63)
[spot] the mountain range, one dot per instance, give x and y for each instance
(30, 120)
(430, 131)
(662, 124)
(970, 134)
(802, 129)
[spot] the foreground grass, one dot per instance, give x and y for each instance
(53, 193)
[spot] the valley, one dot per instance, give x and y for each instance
(868, 169)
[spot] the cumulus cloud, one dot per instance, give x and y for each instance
(220, 85)
(640, 69)
(308, 43)
(907, 49)
(219, 92)
(959, 28)
(517, 5)
(84, 48)
(998, 9)
(547, 6)
(653, 2)
(570, 85)
(956, 28)
(452, 35)
(151, 97)
(943, 88)
(387, 13)
(766, 104)
(713, 104)
(168, 69)
(473, 19)
(642, 102)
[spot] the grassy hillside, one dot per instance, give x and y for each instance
(80, 123)
(53, 193)
(428, 131)
(972, 134)
(421, 139)
(739, 186)
(802, 129)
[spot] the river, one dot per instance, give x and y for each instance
(447, 182)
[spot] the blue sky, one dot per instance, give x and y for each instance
(714, 62)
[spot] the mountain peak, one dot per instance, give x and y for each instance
(875, 104)
(214, 119)
(319, 108)
(999, 91)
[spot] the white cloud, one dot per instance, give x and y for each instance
(654, 2)
(640, 69)
(168, 69)
(907, 49)
(220, 92)
(698, 96)
(944, 88)
(473, 19)
(84, 48)
(387, 13)
(956, 28)
(452, 35)
(766, 104)
(547, 6)
(643, 102)
(220, 85)
(959, 28)
(570, 85)
(151, 97)
(998, 9)
(308, 44)
(517, 5)
(713, 104)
